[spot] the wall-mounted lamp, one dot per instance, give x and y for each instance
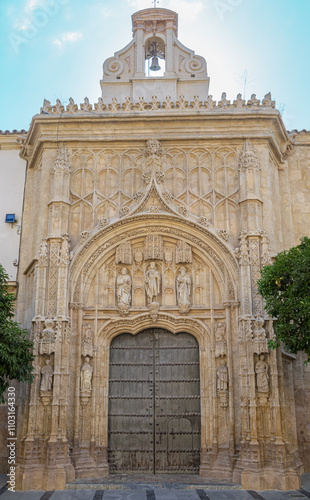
(10, 218)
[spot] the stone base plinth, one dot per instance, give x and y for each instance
(270, 479)
(43, 478)
(92, 473)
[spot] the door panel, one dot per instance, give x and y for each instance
(154, 403)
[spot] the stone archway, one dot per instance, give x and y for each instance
(154, 403)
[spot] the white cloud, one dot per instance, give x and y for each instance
(33, 4)
(65, 38)
(26, 18)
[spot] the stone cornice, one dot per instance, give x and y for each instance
(262, 124)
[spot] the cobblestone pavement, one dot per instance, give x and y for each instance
(159, 488)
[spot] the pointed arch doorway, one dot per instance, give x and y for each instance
(154, 403)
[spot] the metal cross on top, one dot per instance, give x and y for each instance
(154, 3)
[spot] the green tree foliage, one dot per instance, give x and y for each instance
(285, 286)
(15, 347)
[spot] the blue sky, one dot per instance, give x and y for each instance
(55, 49)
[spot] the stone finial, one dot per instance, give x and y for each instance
(268, 102)
(58, 108)
(100, 106)
(86, 106)
(253, 102)
(46, 108)
(224, 103)
(239, 102)
(72, 107)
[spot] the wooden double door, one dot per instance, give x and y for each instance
(154, 403)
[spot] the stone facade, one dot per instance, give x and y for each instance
(158, 210)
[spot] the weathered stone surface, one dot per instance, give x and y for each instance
(160, 211)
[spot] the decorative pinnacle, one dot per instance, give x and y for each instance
(154, 3)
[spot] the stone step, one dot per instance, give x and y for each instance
(157, 481)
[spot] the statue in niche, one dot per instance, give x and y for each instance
(222, 376)
(220, 329)
(152, 283)
(123, 285)
(183, 287)
(47, 373)
(87, 343)
(220, 342)
(48, 334)
(86, 375)
(262, 376)
(259, 331)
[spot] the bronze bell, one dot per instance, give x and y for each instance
(155, 66)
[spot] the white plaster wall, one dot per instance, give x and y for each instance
(12, 179)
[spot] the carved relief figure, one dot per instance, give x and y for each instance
(46, 377)
(220, 329)
(152, 283)
(86, 375)
(259, 331)
(123, 284)
(183, 287)
(153, 147)
(220, 342)
(87, 345)
(48, 334)
(222, 376)
(262, 376)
